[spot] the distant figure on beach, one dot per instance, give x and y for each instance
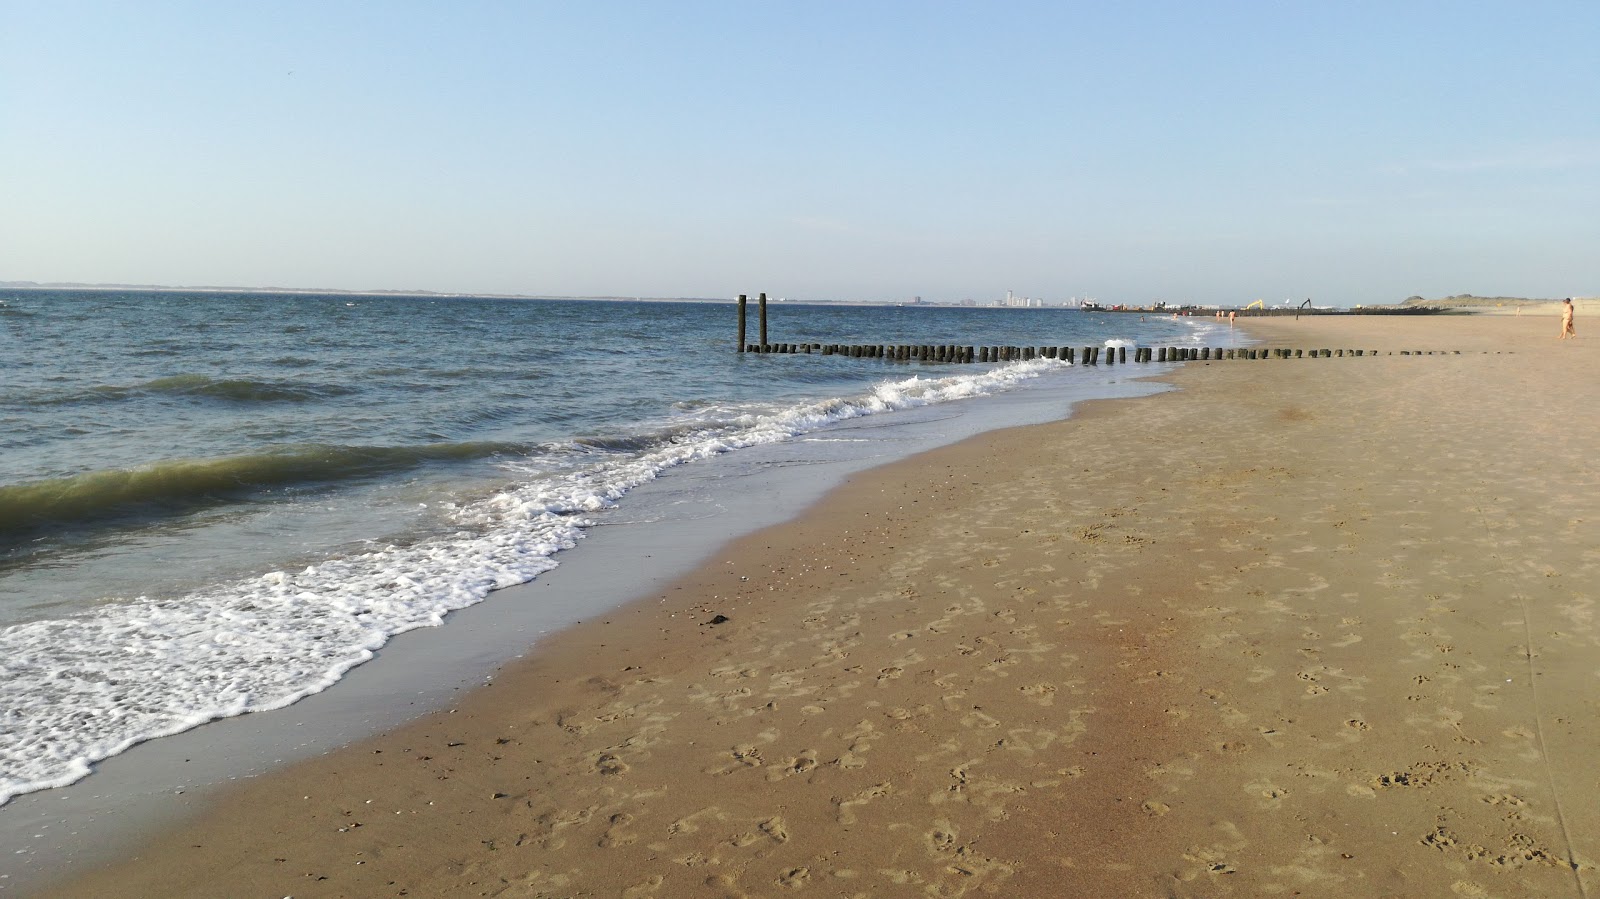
(1566, 319)
(1231, 314)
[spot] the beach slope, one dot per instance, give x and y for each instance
(1305, 627)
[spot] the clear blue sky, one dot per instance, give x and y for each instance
(1351, 152)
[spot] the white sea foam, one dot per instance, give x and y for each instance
(77, 690)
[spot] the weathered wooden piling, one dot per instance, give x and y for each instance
(949, 353)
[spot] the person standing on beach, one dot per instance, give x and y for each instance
(1566, 320)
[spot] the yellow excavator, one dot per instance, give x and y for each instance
(1258, 304)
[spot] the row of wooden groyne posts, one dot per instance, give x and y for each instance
(1091, 355)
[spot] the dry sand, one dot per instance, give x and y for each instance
(1301, 628)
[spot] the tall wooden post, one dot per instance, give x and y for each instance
(741, 322)
(762, 303)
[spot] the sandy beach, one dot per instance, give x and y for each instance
(1307, 627)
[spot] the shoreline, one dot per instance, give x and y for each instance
(666, 527)
(1194, 643)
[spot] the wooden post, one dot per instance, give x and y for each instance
(741, 322)
(763, 307)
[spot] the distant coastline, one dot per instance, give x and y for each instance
(1456, 303)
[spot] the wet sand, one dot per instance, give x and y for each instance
(1303, 627)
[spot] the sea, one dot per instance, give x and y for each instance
(217, 503)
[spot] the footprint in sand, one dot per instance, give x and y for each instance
(794, 878)
(691, 823)
(1271, 795)
(614, 835)
(804, 763)
(609, 764)
(847, 807)
(901, 714)
(979, 719)
(1505, 799)
(775, 829)
(646, 888)
(743, 757)
(942, 838)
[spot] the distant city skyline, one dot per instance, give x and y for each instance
(1354, 153)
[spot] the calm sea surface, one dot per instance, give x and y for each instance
(214, 503)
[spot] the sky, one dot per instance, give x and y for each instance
(1209, 152)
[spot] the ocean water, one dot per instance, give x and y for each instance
(218, 503)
